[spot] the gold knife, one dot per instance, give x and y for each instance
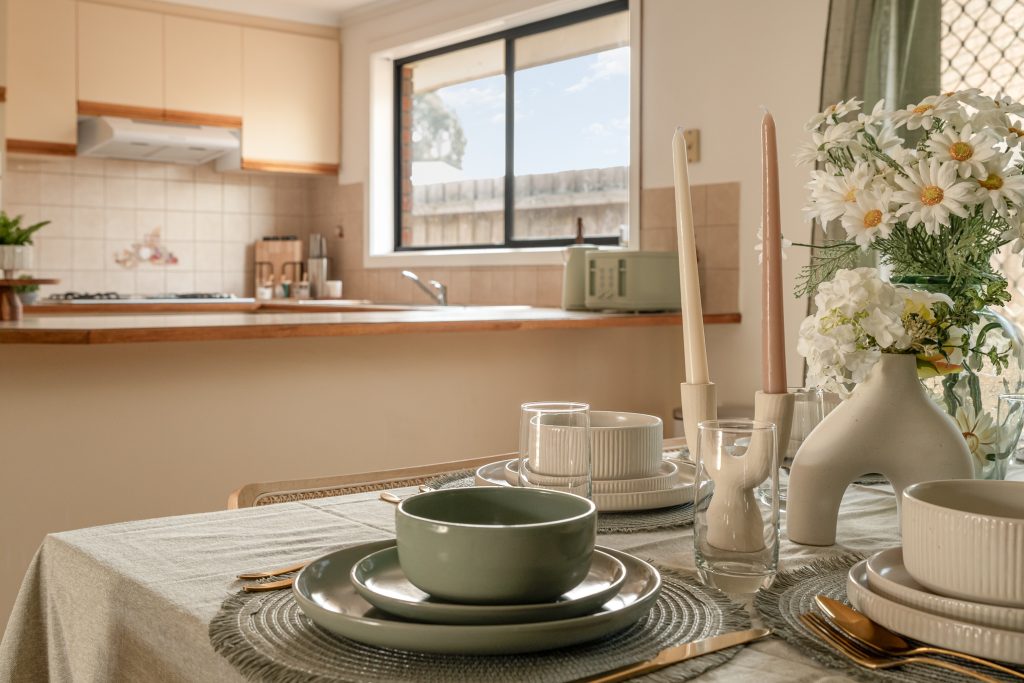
(680, 653)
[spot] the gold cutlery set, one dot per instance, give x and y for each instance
(875, 647)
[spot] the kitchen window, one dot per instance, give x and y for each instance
(510, 139)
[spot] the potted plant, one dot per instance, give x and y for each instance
(27, 293)
(16, 243)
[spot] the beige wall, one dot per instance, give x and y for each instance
(706, 65)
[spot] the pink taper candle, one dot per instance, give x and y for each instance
(773, 335)
(695, 354)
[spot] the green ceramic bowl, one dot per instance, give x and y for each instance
(495, 545)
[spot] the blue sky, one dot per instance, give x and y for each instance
(570, 114)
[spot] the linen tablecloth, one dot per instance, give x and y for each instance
(133, 601)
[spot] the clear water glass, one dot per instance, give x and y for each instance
(809, 409)
(554, 447)
(1010, 419)
(735, 531)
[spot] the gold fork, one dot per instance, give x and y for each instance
(854, 652)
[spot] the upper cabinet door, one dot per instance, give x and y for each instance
(41, 76)
(120, 58)
(290, 107)
(202, 71)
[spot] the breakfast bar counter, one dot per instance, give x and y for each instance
(108, 329)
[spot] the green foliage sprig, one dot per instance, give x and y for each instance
(12, 232)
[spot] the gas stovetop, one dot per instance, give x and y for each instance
(114, 297)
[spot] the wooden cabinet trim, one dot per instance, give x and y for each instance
(86, 108)
(200, 119)
(152, 114)
(3, 93)
(288, 167)
(40, 147)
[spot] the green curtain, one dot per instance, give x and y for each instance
(877, 49)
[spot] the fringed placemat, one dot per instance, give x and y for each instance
(793, 593)
(266, 637)
(607, 522)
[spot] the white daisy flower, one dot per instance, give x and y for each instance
(968, 150)
(924, 114)
(877, 113)
(759, 247)
(992, 112)
(833, 113)
(868, 218)
(931, 193)
(998, 185)
(980, 432)
(830, 194)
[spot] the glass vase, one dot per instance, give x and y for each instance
(971, 396)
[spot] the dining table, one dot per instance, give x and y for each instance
(133, 601)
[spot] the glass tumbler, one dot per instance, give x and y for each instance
(1009, 421)
(735, 530)
(554, 447)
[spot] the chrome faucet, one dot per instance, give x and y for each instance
(435, 290)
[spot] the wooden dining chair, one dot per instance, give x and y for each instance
(267, 493)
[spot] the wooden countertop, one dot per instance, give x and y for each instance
(111, 329)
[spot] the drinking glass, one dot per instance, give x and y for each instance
(735, 532)
(1009, 420)
(809, 408)
(554, 447)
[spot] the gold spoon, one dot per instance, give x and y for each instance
(389, 497)
(268, 586)
(881, 639)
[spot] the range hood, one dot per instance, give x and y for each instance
(120, 138)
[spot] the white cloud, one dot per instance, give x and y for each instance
(608, 63)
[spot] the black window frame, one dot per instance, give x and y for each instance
(509, 37)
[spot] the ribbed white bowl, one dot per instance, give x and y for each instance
(622, 446)
(965, 538)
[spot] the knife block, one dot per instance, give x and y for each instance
(278, 258)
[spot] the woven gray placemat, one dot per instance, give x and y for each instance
(793, 593)
(266, 637)
(607, 522)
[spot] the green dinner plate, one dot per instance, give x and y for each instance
(325, 593)
(379, 578)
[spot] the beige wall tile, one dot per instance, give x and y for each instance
(718, 246)
(121, 193)
(119, 168)
(658, 239)
(525, 286)
(657, 207)
(181, 225)
(181, 196)
(209, 197)
(723, 204)
(151, 194)
(54, 253)
(56, 189)
(549, 287)
(88, 190)
(62, 222)
(151, 281)
(91, 222)
(87, 255)
(720, 291)
(460, 285)
(119, 224)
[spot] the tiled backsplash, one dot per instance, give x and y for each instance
(101, 208)
(337, 208)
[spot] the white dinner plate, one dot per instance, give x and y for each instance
(888, 576)
(324, 592)
(953, 634)
(379, 578)
(494, 474)
(664, 478)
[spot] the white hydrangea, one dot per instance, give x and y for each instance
(858, 318)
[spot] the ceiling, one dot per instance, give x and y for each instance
(328, 12)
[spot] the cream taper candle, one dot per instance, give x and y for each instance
(773, 335)
(694, 352)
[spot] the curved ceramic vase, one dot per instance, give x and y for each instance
(888, 425)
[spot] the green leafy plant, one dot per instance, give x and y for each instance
(25, 289)
(12, 232)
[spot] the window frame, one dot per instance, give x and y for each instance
(509, 37)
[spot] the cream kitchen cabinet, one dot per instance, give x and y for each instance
(290, 102)
(40, 109)
(120, 59)
(202, 72)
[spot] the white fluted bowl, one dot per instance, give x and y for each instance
(622, 446)
(965, 538)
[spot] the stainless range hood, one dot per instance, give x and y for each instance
(121, 138)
